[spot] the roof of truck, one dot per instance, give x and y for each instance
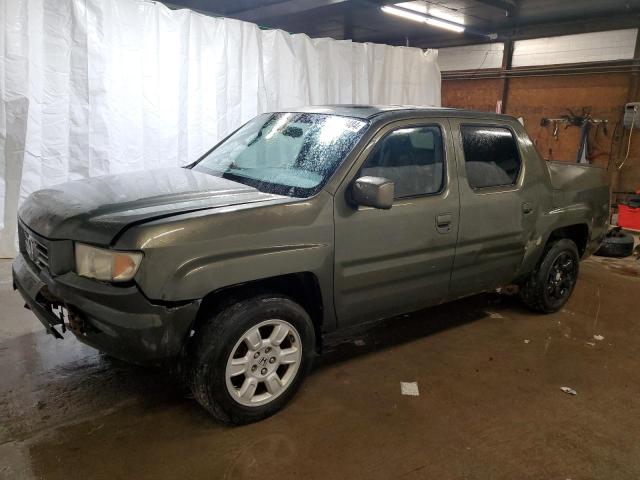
(368, 112)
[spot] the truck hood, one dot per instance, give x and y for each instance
(97, 209)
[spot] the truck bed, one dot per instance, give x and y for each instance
(574, 183)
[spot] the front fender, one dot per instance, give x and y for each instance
(188, 256)
(199, 276)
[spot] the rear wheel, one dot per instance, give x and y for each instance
(549, 287)
(250, 359)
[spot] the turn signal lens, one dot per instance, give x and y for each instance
(106, 265)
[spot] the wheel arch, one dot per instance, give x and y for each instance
(302, 287)
(578, 233)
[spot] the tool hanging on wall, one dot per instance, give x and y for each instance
(583, 148)
(584, 121)
(545, 122)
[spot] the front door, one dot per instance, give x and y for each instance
(393, 261)
(497, 206)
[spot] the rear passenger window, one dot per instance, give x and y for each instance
(412, 158)
(490, 155)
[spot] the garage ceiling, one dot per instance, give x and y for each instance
(363, 21)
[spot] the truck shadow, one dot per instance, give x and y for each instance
(381, 334)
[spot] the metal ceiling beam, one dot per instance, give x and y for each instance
(282, 9)
(300, 11)
(509, 6)
(352, 15)
(191, 5)
(388, 28)
(384, 26)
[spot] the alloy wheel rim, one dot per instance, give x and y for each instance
(561, 277)
(263, 363)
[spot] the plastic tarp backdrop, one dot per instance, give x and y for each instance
(93, 87)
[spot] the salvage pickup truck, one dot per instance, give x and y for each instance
(298, 224)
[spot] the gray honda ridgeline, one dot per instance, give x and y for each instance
(300, 223)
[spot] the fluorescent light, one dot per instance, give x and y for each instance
(417, 17)
(423, 18)
(445, 25)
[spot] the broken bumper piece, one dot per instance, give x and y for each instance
(118, 320)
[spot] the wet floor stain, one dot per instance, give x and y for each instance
(629, 266)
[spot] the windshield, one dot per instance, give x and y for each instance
(291, 154)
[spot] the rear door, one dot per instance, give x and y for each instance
(392, 261)
(497, 206)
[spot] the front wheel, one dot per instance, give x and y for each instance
(549, 287)
(250, 359)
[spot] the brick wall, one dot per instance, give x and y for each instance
(536, 97)
(533, 98)
(480, 94)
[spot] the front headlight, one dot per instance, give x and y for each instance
(107, 265)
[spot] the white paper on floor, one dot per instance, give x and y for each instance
(409, 388)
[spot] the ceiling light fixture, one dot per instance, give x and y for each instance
(443, 24)
(423, 18)
(405, 13)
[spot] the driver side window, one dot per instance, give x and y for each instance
(413, 158)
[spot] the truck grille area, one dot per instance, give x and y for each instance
(35, 249)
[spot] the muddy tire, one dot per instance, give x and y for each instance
(550, 285)
(249, 359)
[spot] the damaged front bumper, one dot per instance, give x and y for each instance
(119, 321)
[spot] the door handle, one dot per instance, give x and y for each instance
(527, 207)
(443, 222)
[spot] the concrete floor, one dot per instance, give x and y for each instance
(490, 404)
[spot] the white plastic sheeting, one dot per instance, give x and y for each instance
(92, 87)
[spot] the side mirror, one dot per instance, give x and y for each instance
(376, 192)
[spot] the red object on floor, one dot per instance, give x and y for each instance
(629, 217)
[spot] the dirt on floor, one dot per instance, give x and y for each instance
(490, 404)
